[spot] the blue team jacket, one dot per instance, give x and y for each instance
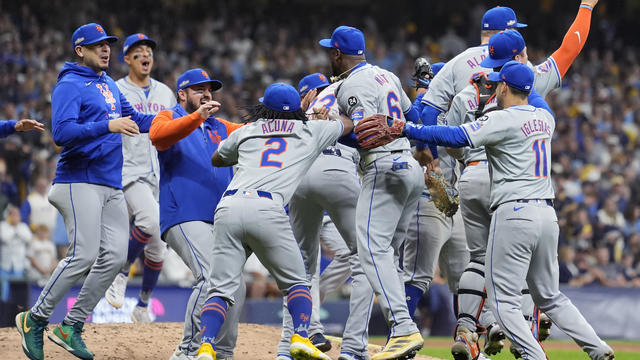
(190, 187)
(7, 128)
(82, 104)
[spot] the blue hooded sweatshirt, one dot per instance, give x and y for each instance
(82, 104)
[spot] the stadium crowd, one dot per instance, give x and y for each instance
(596, 149)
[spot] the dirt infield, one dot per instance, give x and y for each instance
(150, 341)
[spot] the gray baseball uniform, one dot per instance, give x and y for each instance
(433, 237)
(192, 241)
(101, 253)
(271, 157)
(454, 76)
(140, 168)
(332, 185)
(474, 197)
(523, 238)
(391, 186)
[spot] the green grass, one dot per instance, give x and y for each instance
(431, 349)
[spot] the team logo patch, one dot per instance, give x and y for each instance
(545, 67)
(511, 22)
(358, 115)
(476, 125)
(100, 29)
(140, 36)
(492, 50)
(352, 101)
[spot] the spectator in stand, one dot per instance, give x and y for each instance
(8, 188)
(607, 273)
(609, 215)
(37, 210)
(14, 238)
(42, 255)
(631, 275)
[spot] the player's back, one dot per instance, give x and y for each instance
(520, 162)
(370, 90)
(454, 76)
(273, 155)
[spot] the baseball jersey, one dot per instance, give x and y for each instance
(273, 155)
(370, 90)
(547, 76)
(327, 98)
(518, 145)
(454, 76)
(140, 156)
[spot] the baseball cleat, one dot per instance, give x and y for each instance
(206, 352)
(69, 338)
(140, 314)
(284, 357)
(115, 292)
(180, 355)
(302, 348)
(322, 343)
(465, 347)
(515, 351)
(32, 332)
(609, 356)
(350, 356)
(401, 347)
(494, 341)
(544, 327)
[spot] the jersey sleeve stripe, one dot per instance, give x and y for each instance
(433, 105)
(555, 67)
(467, 135)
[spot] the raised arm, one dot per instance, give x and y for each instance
(165, 131)
(575, 38)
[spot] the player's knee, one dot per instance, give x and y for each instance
(148, 224)
(155, 251)
(86, 261)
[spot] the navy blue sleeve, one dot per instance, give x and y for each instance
(143, 120)
(451, 136)
(349, 140)
(7, 128)
(65, 111)
(417, 106)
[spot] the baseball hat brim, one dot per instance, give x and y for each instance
(326, 43)
(149, 42)
(215, 84)
(494, 76)
(110, 39)
(520, 25)
(491, 63)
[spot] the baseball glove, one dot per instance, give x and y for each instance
(485, 91)
(422, 74)
(442, 198)
(377, 130)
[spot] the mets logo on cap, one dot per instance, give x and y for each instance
(492, 50)
(204, 73)
(100, 29)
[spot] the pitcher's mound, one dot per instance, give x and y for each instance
(150, 341)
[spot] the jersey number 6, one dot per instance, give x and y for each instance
(281, 146)
(392, 105)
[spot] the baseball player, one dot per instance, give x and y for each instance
(140, 176)
(391, 186)
(474, 182)
(433, 237)
(272, 152)
(186, 136)
(523, 239)
(88, 115)
(332, 185)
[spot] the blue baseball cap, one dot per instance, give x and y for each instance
(137, 38)
(347, 39)
(281, 97)
(500, 18)
(503, 46)
(195, 77)
(516, 75)
(436, 67)
(90, 34)
(312, 81)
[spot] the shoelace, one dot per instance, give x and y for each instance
(77, 332)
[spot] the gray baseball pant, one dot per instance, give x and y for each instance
(95, 217)
(193, 241)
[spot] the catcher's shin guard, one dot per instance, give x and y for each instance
(471, 295)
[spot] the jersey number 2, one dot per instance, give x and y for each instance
(281, 146)
(540, 148)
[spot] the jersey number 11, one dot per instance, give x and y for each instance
(540, 148)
